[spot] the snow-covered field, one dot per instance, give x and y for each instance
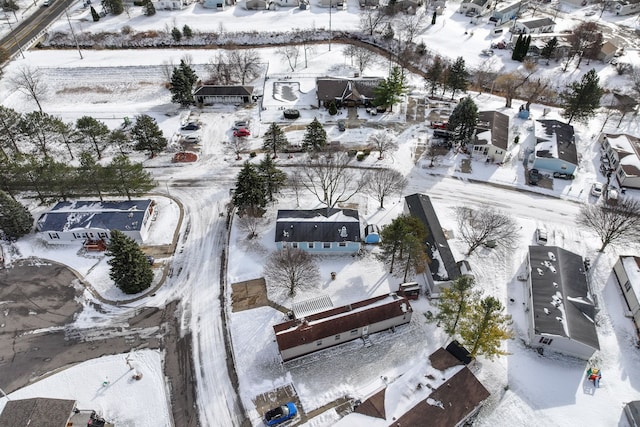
(527, 389)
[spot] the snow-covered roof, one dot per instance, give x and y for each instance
(555, 139)
(631, 265)
(627, 148)
(318, 225)
(536, 22)
(492, 128)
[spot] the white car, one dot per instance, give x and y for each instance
(596, 189)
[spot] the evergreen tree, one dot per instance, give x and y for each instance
(125, 178)
(390, 90)
(434, 74)
(93, 175)
(315, 138)
(176, 34)
(115, 7)
(433, 18)
(527, 43)
(187, 32)
(147, 135)
(272, 177)
(463, 120)
(484, 329)
(95, 131)
(549, 49)
(582, 99)
(455, 302)
(181, 89)
(94, 15)
(403, 240)
(457, 77)
(15, 219)
(517, 48)
(275, 139)
(189, 74)
(130, 269)
(388, 32)
(149, 8)
(249, 196)
(333, 109)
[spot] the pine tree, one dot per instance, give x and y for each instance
(95, 131)
(433, 18)
(455, 302)
(249, 196)
(582, 99)
(115, 7)
(190, 75)
(388, 32)
(176, 34)
(400, 242)
(187, 32)
(15, 219)
(275, 139)
(149, 8)
(463, 120)
(390, 90)
(457, 77)
(181, 89)
(315, 138)
(273, 178)
(434, 74)
(147, 135)
(517, 49)
(125, 178)
(93, 175)
(484, 329)
(333, 109)
(130, 269)
(94, 15)
(549, 49)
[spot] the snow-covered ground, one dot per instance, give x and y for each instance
(527, 389)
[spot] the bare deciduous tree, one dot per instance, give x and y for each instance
(361, 56)
(30, 81)
(383, 141)
(291, 269)
(535, 89)
(486, 73)
(481, 226)
(411, 26)
(372, 20)
(385, 182)
(251, 221)
(291, 53)
(220, 71)
(433, 152)
(615, 224)
(238, 145)
(329, 178)
(167, 68)
(294, 181)
(246, 63)
(510, 83)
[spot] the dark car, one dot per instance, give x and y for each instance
(280, 414)
(190, 126)
(534, 176)
(341, 125)
(561, 175)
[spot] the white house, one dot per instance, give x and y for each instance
(627, 7)
(534, 26)
(627, 271)
(170, 4)
(561, 311)
(622, 153)
(551, 146)
(479, 7)
(319, 231)
(507, 12)
(217, 4)
(491, 139)
(335, 326)
(91, 220)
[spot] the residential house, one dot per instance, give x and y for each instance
(92, 220)
(442, 268)
(447, 395)
(357, 92)
(223, 94)
(491, 140)
(255, 4)
(551, 147)
(632, 413)
(607, 51)
(319, 231)
(627, 271)
(369, 3)
(627, 7)
(46, 412)
(561, 311)
(409, 7)
(335, 4)
(622, 154)
(170, 4)
(335, 326)
(533, 26)
(479, 7)
(217, 4)
(286, 3)
(507, 12)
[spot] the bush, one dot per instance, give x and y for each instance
(333, 109)
(176, 34)
(351, 153)
(253, 154)
(126, 30)
(360, 157)
(139, 2)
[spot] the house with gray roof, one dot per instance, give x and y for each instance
(356, 92)
(551, 146)
(534, 26)
(622, 154)
(223, 94)
(319, 231)
(632, 413)
(37, 412)
(507, 12)
(561, 311)
(627, 272)
(491, 140)
(92, 220)
(314, 332)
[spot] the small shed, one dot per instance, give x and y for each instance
(371, 234)
(607, 51)
(409, 290)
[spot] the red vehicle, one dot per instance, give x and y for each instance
(439, 125)
(241, 132)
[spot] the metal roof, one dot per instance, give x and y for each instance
(562, 304)
(312, 306)
(318, 225)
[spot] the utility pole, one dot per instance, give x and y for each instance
(330, 7)
(15, 38)
(73, 33)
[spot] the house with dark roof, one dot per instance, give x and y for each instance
(319, 231)
(491, 140)
(83, 220)
(534, 26)
(356, 92)
(223, 94)
(622, 154)
(442, 268)
(632, 413)
(551, 147)
(46, 412)
(447, 394)
(627, 272)
(335, 326)
(561, 311)
(607, 51)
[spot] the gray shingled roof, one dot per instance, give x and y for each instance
(498, 124)
(318, 225)
(537, 23)
(37, 412)
(561, 303)
(223, 90)
(331, 88)
(420, 206)
(565, 140)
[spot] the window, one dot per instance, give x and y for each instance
(294, 245)
(545, 340)
(621, 173)
(337, 337)
(342, 244)
(310, 244)
(326, 245)
(319, 343)
(77, 235)
(627, 286)
(354, 332)
(54, 236)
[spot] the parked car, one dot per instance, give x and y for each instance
(46, 2)
(280, 414)
(439, 125)
(561, 175)
(291, 114)
(240, 124)
(534, 176)
(596, 189)
(486, 52)
(342, 125)
(190, 126)
(150, 259)
(193, 138)
(541, 236)
(241, 132)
